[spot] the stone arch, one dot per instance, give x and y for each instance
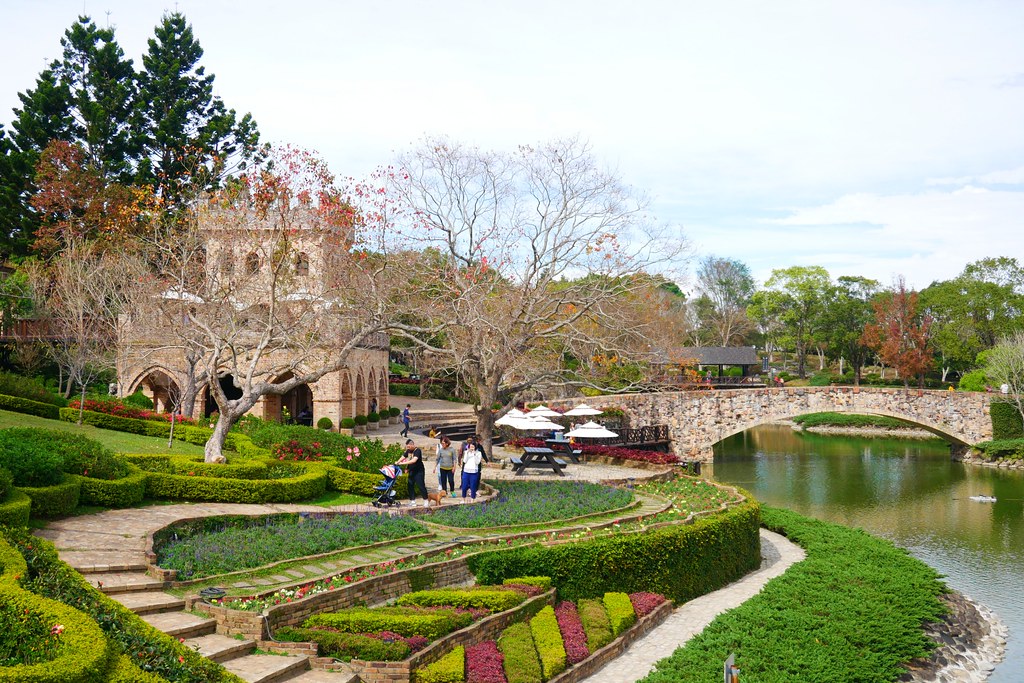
(360, 395)
(227, 384)
(295, 400)
(160, 385)
(382, 390)
(346, 398)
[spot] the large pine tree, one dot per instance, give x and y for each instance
(191, 139)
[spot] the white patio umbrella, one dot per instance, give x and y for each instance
(591, 430)
(536, 424)
(582, 410)
(510, 417)
(544, 411)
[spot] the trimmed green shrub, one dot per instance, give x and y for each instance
(405, 621)
(140, 400)
(820, 379)
(522, 664)
(28, 455)
(393, 411)
(306, 484)
(680, 562)
(346, 646)
(15, 510)
(152, 650)
(404, 389)
(975, 380)
(373, 417)
(539, 581)
(359, 483)
(85, 456)
(123, 492)
(848, 420)
(547, 638)
(449, 669)
(54, 501)
(16, 386)
(347, 423)
(360, 420)
(1006, 449)
(1006, 421)
(29, 407)
(595, 622)
(620, 612)
(125, 671)
(496, 600)
(324, 423)
(6, 483)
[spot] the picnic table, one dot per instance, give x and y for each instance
(534, 456)
(564, 447)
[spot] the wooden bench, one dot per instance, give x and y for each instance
(563, 447)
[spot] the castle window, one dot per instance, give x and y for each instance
(252, 263)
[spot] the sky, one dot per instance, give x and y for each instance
(874, 138)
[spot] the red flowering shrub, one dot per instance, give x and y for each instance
(485, 663)
(415, 643)
(608, 451)
(572, 632)
(526, 589)
(644, 603)
(119, 409)
(297, 450)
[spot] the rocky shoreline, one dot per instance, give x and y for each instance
(971, 641)
(908, 433)
(971, 458)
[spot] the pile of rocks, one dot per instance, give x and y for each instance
(971, 641)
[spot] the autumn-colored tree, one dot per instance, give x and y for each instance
(900, 334)
(76, 201)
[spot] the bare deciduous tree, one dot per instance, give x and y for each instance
(1004, 365)
(528, 263)
(728, 287)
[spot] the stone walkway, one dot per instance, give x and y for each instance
(777, 554)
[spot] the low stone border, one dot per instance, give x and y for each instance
(970, 458)
(597, 660)
(971, 641)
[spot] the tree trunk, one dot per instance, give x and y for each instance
(214, 451)
(841, 359)
(170, 435)
(81, 404)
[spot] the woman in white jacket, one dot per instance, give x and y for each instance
(471, 471)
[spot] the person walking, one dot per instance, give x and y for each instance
(445, 467)
(413, 457)
(470, 471)
(406, 419)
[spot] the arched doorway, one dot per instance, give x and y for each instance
(227, 385)
(382, 391)
(161, 389)
(298, 402)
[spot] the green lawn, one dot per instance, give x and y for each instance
(121, 442)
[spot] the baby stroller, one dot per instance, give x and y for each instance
(386, 489)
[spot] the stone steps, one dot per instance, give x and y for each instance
(220, 648)
(267, 668)
(181, 624)
(320, 676)
(104, 561)
(150, 602)
(124, 582)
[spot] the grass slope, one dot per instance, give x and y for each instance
(851, 611)
(120, 442)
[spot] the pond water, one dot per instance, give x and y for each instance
(908, 491)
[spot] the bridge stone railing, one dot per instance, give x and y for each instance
(699, 419)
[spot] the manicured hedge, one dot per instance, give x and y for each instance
(29, 407)
(522, 664)
(125, 671)
(543, 582)
(17, 386)
(548, 640)
(403, 389)
(1006, 449)
(595, 622)
(491, 599)
(189, 433)
(54, 501)
(114, 493)
(449, 669)
(404, 621)
(16, 510)
(151, 650)
(680, 562)
(848, 420)
(6, 483)
(347, 645)
(620, 612)
(359, 483)
(852, 610)
(308, 484)
(1006, 421)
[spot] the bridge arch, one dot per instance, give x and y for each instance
(699, 419)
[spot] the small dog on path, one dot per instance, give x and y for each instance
(436, 497)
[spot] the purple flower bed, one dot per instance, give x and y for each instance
(645, 603)
(527, 589)
(572, 632)
(415, 643)
(485, 663)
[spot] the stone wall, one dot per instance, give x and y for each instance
(699, 419)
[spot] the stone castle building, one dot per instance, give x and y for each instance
(148, 363)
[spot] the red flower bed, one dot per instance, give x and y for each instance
(644, 603)
(415, 643)
(607, 451)
(299, 451)
(485, 663)
(572, 632)
(527, 589)
(121, 410)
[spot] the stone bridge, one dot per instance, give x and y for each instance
(699, 419)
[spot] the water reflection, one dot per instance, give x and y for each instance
(906, 490)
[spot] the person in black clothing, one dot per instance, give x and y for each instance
(305, 417)
(413, 458)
